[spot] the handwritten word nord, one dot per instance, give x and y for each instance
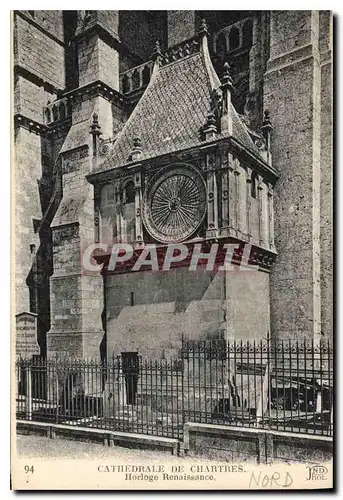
(274, 480)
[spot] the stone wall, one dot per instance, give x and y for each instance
(181, 26)
(150, 312)
(297, 90)
(39, 53)
(30, 99)
(50, 20)
(109, 19)
(135, 33)
(27, 207)
(326, 178)
(292, 94)
(39, 71)
(98, 61)
(76, 299)
(237, 445)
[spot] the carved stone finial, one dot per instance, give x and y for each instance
(226, 72)
(137, 142)
(211, 119)
(266, 128)
(203, 31)
(210, 127)
(156, 52)
(226, 78)
(95, 127)
(226, 88)
(137, 149)
(267, 124)
(266, 132)
(95, 130)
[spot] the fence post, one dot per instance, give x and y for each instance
(318, 402)
(182, 386)
(183, 392)
(28, 392)
(265, 397)
(57, 395)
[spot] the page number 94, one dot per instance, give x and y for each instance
(28, 469)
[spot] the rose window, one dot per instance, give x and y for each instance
(174, 204)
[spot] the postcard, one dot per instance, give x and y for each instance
(172, 250)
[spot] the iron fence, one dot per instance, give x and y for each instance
(273, 385)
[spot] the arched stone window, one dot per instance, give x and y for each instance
(62, 110)
(129, 193)
(221, 45)
(254, 181)
(55, 113)
(108, 194)
(47, 115)
(234, 38)
(108, 213)
(125, 84)
(136, 80)
(69, 107)
(128, 212)
(247, 33)
(146, 75)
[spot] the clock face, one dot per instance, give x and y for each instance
(174, 204)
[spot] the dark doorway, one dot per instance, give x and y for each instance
(131, 372)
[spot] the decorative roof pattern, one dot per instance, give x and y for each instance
(172, 112)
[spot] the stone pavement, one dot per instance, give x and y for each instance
(42, 447)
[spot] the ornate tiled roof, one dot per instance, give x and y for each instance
(172, 112)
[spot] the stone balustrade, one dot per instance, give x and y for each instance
(180, 51)
(57, 110)
(236, 36)
(136, 78)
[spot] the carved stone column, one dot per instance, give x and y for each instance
(242, 202)
(248, 201)
(138, 209)
(263, 213)
(118, 211)
(260, 209)
(224, 193)
(212, 197)
(232, 196)
(97, 215)
(271, 217)
(236, 199)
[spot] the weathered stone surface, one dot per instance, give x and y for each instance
(38, 53)
(179, 302)
(27, 206)
(181, 26)
(292, 93)
(289, 64)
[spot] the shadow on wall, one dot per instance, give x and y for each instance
(145, 288)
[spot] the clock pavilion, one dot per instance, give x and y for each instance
(185, 168)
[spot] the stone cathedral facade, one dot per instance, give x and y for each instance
(158, 127)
